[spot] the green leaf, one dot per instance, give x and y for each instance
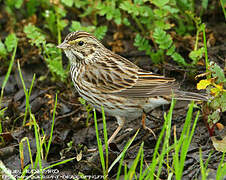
(62, 24)
(130, 8)
(219, 102)
(53, 59)
(139, 2)
(3, 51)
(223, 102)
(35, 34)
(55, 66)
(117, 16)
(80, 3)
(217, 72)
(162, 24)
(100, 32)
(157, 57)
(87, 12)
(32, 6)
(126, 21)
(171, 10)
(11, 42)
(68, 2)
(108, 9)
(142, 44)
(76, 26)
(50, 18)
(205, 4)
(164, 40)
(60, 11)
(160, 13)
(214, 117)
(179, 59)
(171, 50)
(196, 54)
(160, 3)
(82, 101)
(18, 4)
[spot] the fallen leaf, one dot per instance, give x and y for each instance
(79, 156)
(219, 145)
(220, 126)
(203, 84)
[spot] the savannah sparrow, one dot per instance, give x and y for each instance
(102, 77)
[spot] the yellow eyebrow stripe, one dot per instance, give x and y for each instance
(74, 41)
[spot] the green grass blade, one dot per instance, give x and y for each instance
(8, 73)
(121, 155)
(184, 142)
(24, 172)
(221, 170)
(141, 162)
(203, 170)
(105, 141)
(168, 120)
(58, 163)
(132, 169)
(149, 172)
(223, 7)
(99, 143)
(38, 146)
(205, 46)
(51, 133)
(25, 92)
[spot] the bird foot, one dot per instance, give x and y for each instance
(145, 127)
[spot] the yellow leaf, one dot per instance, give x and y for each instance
(203, 84)
(29, 124)
(219, 86)
(214, 91)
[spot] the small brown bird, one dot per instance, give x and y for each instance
(102, 77)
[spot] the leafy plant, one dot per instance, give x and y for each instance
(215, 85)
(166, 43)
(11, 45)
(54, 21)
(89, 109)
(110, 10)
(52, 54)
(99, 32)
(8, 46)
(11, 4)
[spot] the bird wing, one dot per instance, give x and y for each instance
(149, 84)
(116, 75)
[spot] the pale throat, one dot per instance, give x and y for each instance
(83, 57)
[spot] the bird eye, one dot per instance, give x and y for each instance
(80, 43)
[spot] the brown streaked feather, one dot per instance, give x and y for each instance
(126, 79)
(78, 34)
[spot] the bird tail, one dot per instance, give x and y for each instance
(183, 95)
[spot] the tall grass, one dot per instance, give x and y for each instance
(163, 149)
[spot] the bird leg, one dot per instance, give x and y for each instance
(144, 125)
(121, 122)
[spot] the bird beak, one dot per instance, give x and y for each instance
(63, 45)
